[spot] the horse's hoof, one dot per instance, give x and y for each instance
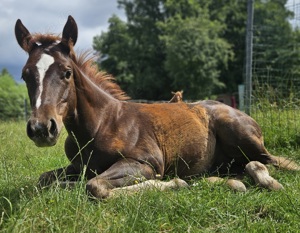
(236, 185)
(179, 183)
(231, 183)
(260, 174)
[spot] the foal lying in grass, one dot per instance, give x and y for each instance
(117, 143)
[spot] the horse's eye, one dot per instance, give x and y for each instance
(68, 74)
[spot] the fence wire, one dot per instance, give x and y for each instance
(276, 92)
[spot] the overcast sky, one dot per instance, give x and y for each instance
(50, 16)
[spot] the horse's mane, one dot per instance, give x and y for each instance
(86, 62)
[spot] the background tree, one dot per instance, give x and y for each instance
(233, 15)
(194, 53)
(114, 47)
(195, 45)
(156, 61)
(273, 38)
(136, 48)
(276, 54)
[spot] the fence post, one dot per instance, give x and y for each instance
(25, 109)
(249, 48)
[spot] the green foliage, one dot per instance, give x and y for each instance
(196, 45)
(204, 207)
(133, 52)
(194, 53)
(116, 43)
(12, 98)
(233, 15)
(276, 47)
(161, 49)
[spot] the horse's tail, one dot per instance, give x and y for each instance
(285, 163)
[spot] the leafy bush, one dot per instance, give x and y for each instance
(13, 98)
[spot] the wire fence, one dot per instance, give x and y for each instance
(276, 91)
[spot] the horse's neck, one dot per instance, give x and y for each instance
(91, 107)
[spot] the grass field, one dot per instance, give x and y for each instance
(202, 208)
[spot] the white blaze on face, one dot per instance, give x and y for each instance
(43, 65)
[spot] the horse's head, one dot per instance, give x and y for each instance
(48, 75)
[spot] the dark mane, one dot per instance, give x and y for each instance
(85, 61)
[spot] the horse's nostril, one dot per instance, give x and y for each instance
(29, 130)
(53, 127)
(43, 133)
(36, 129)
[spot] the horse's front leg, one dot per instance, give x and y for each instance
(123, 173)
(63, 174)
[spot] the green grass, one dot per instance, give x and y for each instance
(202, 208)
(280, 125)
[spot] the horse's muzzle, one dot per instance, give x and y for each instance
(42, 133)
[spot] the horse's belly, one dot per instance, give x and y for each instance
(192, 152)
(184, 137)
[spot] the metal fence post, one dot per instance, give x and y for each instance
(25, 109)
(249, 48)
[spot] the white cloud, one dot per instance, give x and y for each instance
(50, 16)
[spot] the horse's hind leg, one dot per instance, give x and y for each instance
(261, 176)
(244, 147)
(239, 138)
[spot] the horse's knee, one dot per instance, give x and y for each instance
(98, 188)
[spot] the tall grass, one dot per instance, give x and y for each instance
(202, 208)
(278, 115)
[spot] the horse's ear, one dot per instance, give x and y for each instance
(70, 32)
(23, 36)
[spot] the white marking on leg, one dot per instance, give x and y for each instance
(159, 185)
(261, 176)
(43, 65)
